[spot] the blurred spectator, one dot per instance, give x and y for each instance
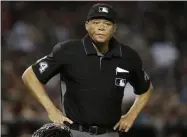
(164, 58)
(24, 37)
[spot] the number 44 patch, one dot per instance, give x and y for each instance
(43, 66)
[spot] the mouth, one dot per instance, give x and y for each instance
(99, 34)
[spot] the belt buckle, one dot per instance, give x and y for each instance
(93, 130)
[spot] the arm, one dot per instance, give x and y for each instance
(128, 119)
(142, 88)
(37, 89)
(37, 75)
(140, 102)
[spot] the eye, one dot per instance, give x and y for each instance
(108, 23)
(95, 22)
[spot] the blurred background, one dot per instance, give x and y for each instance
(156, 30)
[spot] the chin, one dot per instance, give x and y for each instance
(100, 40)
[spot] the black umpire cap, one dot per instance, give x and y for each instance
(102, 11)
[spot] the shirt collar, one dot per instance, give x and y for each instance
(114, 49)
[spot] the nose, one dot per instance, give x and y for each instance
(101, 26)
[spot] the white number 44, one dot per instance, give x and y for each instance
(43, 66)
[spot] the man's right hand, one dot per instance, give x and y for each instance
(56, 116)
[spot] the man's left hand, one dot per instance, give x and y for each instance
(125, 123)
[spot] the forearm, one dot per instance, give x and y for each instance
(37, 89)
(140, 102)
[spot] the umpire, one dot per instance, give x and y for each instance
(95, 70)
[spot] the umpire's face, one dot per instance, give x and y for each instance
(100, 30)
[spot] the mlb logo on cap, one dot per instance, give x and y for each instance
(103, 9)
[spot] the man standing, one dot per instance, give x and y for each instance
(95, 70)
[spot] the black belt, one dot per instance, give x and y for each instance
(93, 130)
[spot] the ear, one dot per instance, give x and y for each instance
(86, 25)
(115, 27)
